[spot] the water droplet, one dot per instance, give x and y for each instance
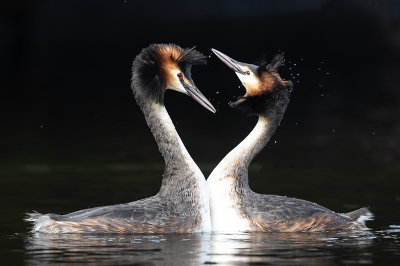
(333, 130)
(320, 85)
(275, 141)
(319, 68)
(217, 92)
(327, 73)
(373, 133)
(294, 64)
(41, 126)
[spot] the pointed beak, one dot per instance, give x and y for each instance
(197, 95)
(231, 63)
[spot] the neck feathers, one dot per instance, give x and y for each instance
(236, 163)
(179, 166)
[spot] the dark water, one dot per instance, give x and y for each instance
(33, 187)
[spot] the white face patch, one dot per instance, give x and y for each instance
(175, 83)
(250, 82)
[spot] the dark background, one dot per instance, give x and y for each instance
(65, 70)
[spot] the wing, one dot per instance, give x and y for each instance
(150, 215)
(277, 213)
(142, 210)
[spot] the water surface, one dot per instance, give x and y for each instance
(30, 187)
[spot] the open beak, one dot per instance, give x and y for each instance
(197, 95)
(231, 63)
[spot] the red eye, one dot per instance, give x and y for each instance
(180, 75)
(248, 72)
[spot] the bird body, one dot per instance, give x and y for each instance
(182, 204)
(234, 206)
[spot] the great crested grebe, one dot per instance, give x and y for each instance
(182, 204)
(233, 205)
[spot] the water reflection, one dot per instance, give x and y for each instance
(283, 248)
(117, 249)
(194, 249)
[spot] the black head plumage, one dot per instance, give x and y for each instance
(188, 58)
(267, 103)
(263, 66)
(148, 81)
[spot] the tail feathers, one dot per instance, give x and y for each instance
(361, 215)
(44, 223)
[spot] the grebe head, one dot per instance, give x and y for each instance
(265, 89)
(160, 67)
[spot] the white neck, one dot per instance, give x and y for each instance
(229, 180)
(241, 156)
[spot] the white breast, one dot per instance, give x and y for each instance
(204, 205)
(204, 202)
(224, 207)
